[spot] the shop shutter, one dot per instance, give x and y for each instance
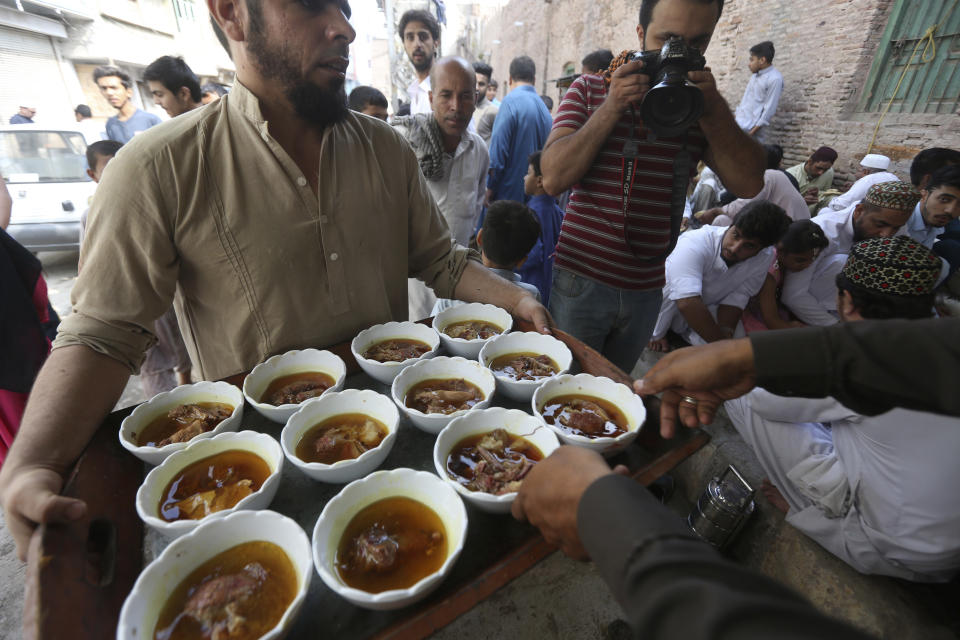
(931, 87)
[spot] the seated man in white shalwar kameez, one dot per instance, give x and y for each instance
(714, 271)
(876, 491)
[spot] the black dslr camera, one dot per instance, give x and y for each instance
(673, 103)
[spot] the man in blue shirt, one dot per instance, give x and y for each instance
(762, 95)
(24, 116)
(117, 87)
(522, 126)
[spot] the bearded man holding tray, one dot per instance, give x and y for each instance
(273, 219)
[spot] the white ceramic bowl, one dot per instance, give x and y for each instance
(164, 402)
(528, 342)
(385, 372)
(513, 421)
(617, 394)
(151, 491)
(417, 485)
(437, 369)
(142, 607)
(472, 311)
(315, 411)
(287, 364)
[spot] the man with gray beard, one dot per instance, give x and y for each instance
(274, 219)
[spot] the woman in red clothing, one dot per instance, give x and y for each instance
(24, 308)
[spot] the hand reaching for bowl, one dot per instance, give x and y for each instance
(709, 374)
(550, 495)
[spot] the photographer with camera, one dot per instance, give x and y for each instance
(629, 151)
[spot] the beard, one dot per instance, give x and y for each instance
(423, 65)
(316, 105)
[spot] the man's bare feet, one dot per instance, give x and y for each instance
(774, 496)
(660, 346)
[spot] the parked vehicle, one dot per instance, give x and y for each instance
(46, 172)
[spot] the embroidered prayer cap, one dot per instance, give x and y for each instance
(901, 196)
(875, 161)
(898, 266)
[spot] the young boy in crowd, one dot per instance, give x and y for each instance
(537, 269)
(369, 101)
(167, 363)
(509, 232)
(98, 155)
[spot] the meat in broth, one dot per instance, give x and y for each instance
(494, 462)
(213, 484)
(443, 396)
(585, 416)
(391, 544)
(524, 366)
(182, 423)
(239, 594)
(297, 387)
(342, 437)
(396, 350)
(472, 330)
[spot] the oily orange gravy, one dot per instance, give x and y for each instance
(472, 330)
(396, 350)
(239, 594)
(524, 366)
(342, 437)
(391, 544)
(443, 396)
(584, 415)
(297, 387)
(494, 462)
(182, 423)
(213, 484)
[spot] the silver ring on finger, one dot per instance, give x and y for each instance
(693, 402)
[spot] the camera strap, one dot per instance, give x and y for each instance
(678, 195)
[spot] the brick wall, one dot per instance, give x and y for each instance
(824, 51)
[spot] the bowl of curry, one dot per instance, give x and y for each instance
(388, 540)
(521, 362)
(433, 392)
(384, 350)
(485, 455)
(590, 411)
(277, 387)
(341, 436)
(171, 420)
(465, 328)
(242, 577)
(211, 478)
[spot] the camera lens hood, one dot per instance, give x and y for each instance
(670, 108)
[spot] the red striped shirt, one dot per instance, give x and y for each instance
(595, 239)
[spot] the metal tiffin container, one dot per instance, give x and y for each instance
(723, 508)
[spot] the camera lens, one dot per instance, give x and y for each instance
(670, 109)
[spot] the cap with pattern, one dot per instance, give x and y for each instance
(898, 266)
(898, 195)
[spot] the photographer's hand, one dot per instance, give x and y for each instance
(713, 102)
(628, 85)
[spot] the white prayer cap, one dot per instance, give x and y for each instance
(875, 161)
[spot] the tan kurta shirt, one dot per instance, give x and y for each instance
(209, 207)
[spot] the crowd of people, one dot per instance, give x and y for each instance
(226, 220)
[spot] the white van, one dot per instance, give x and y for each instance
(46, 173)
